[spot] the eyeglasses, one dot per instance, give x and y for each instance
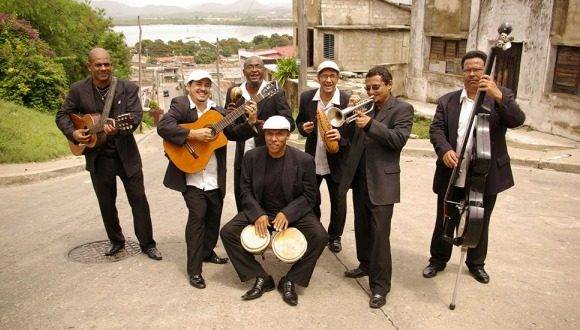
(254, 66)
(374, 87)
(328, 76)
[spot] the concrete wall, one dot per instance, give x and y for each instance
(362, 12)
(358, 50)
(447, 17)
(556, 113)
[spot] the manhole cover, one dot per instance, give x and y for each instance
(94, 252)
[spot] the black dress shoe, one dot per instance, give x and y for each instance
(355, 273)
(197, 281)
(288, 291)
(479, 274)
(377, 301)
(115, 248)
(215, 259)
(431, 270)
(262, 285)
(334, 245)
(153, 253)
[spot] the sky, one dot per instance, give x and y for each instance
(188, 3)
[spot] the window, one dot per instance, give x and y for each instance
(567, 70)
(328, 51)
(446, 54)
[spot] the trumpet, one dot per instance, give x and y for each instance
(338, 117)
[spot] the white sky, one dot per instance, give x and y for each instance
(188, 3)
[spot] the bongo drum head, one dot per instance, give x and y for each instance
(252, 242)
(289, 245)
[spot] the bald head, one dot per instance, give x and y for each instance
(100, 66)
(98, 53)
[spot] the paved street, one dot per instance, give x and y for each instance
(532, 262)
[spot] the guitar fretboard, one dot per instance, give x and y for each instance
(232, 116)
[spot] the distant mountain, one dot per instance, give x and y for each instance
(239, 8)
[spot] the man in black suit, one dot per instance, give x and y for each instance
(278, 189)
(328, 165)
(118, 157)
(373, 172)
(248, 133)
(203, 191)
(447, 131)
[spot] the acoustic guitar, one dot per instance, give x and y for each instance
(193, 156)
(95, 124)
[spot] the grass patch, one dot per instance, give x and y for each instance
(421, 127)
(27, 135)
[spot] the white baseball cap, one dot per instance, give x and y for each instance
(277, 122)
(197, 75)
(327, 65)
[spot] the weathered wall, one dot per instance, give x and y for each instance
(362, 12)
(380, 46)
(533, 26)
(447, 18)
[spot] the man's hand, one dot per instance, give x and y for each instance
(488, 85)
(280, 222)
(354, 99)
(251, 112)
(333, 135)
(362, 119)
(80, 135)
(201, 134)
(450, 159)
(110, 129)
(261, 225)
(308, 127)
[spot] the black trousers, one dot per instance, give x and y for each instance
(248, 267)
(337, 207)
(372, 230)
(203, 225)
(441, 250)
(105, 185)
(237, 190)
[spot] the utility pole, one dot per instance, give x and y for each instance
(139, 58)
(217, 66)
(301, 38)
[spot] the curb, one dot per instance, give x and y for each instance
(428, 153)
(40, 176)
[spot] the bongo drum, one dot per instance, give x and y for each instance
(252, 242)
(289, 245)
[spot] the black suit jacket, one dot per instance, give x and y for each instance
(299, 183)
(443, 132)
(240, 131)
(382, 143)
(81, 100)
(307, 112)
(169, 129)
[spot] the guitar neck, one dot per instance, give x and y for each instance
(232, 116)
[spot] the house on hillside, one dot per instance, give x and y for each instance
(358, 34)
(542, 67)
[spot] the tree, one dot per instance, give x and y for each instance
(71, 29)
(29, 75)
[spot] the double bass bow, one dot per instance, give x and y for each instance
(467, 232)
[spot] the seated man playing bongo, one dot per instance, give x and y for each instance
(278, 189)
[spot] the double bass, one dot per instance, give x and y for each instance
(466, 232)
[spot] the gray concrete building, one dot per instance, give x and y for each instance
(542, 67)
(356, 34)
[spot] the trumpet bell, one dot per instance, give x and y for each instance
(335, 117)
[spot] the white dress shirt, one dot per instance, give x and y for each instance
(207, 178)
(250, 143)
(466, 107)
(320, 158)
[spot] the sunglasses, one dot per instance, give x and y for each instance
(374, 87)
